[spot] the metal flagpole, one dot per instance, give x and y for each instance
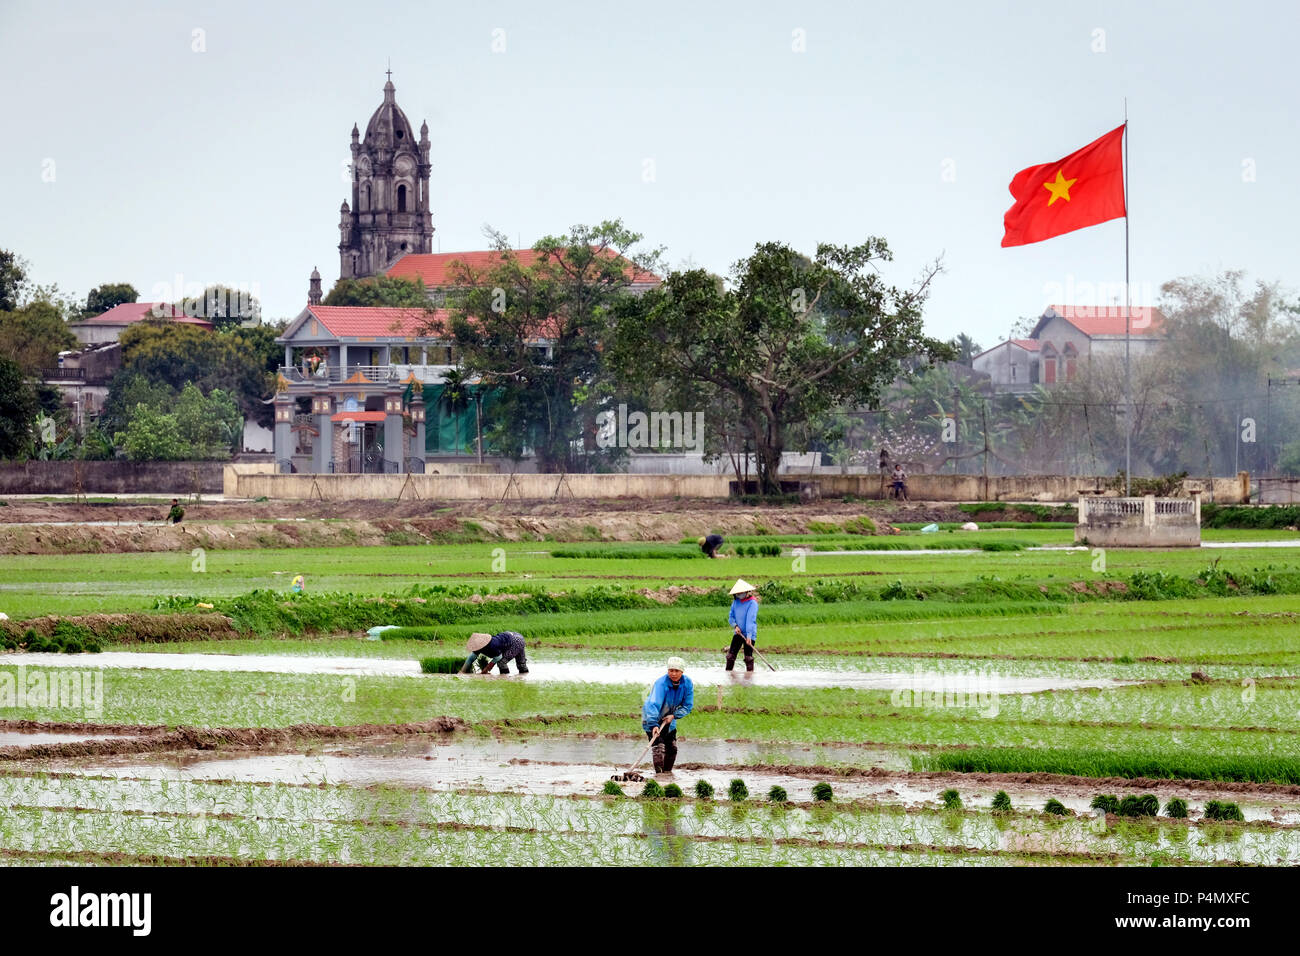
(1128, 324)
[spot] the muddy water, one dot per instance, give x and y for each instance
(567, 766)
(985, 683)
(21, 738)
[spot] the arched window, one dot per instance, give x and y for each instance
(365, 198)
(1068, 359)
(401, 199)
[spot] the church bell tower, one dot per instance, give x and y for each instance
(389, 215)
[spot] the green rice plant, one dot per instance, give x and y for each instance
(641, 553)
(951, 800)
(822, 527)
(1001, 802)
(738, 791)
(1223, 810)
(672, 791)
(821, 792)
(1134, 806)
(1176, 808)
(613, 789)
(703, 790)
(1056, 808)
(1105, 802)
(652, 790)
(777, 794)
(441, 665)
(860, 525)
(1165, 764)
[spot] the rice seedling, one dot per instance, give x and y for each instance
(738, 791)
(1001, 802)
(1165, 764)
(652, 790)
(1056, 808)
(703, 790)
(1105, 803)
(441, 665)
(612, 789)
(1134, 806)
(1176, 808)
(822, 792)
(672, 791)
(951, 800)
(1223, 810)
(777, 794)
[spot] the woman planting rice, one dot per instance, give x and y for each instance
(744, 622)
(500, 649)
(671, 697)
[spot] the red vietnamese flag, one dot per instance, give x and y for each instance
(1083, 189)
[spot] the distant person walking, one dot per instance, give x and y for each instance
(744, 623)
(710, 545)
(500, 649)
(176, 514)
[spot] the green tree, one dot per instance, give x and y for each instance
(126, 390)
(17, 409)
(533, 333)
(209, 425)
(455, 398)
(34, 335)
(224, 307)
(13, 280)
(102, 298)
(795, 338)
(379, 291)
(152, 436)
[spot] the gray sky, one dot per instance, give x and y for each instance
(130, 155)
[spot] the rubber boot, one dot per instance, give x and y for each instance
(657, 755)
(670, 757)
(749, 663)
(731, 661)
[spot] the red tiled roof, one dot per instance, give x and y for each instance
(434, 268)
(129, 312)
(357, 417)
(1110, 319)
(1029, 345)
(347, 321)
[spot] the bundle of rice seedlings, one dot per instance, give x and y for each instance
(777, 795)
(951, 800)
(738, 791)
(1001, 802)
(821, 792)
(704, 790)
(1176, 808)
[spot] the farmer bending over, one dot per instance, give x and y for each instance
(671, 698)
(744, 622)
(500, 649)
(710, 545)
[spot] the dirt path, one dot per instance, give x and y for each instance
(44, 527)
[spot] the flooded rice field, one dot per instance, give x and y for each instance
(574, 671)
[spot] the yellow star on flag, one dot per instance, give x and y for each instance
(1059, 189)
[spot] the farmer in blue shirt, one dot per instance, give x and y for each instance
(500, 649)
(671, 697)
(744, 622)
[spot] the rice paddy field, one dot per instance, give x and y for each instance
(992, 698)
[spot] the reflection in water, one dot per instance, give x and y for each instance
(669, 846)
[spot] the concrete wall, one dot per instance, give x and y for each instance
(1279, 491)
(252, 481)
(1147, 522)
(471, 487)
(110, 477)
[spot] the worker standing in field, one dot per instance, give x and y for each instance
(500, 649)
(671, 697)
(744, 622)
(177, 513)
(710, 545)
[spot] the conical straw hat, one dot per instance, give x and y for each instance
(477, 642)
(742, 586)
